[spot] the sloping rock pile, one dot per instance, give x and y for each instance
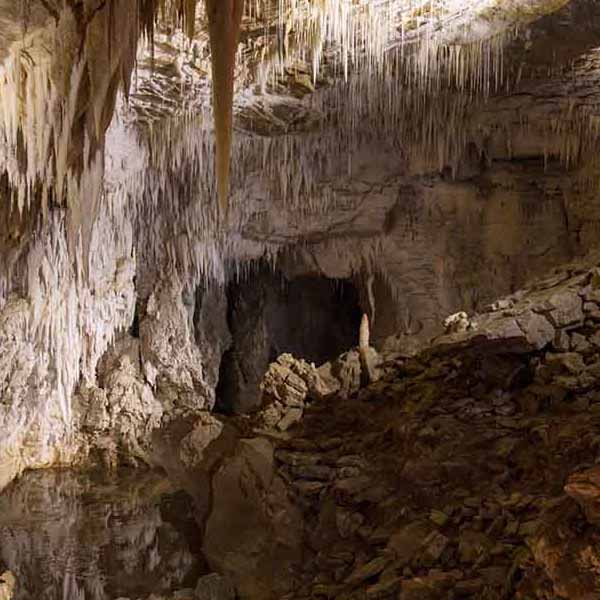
(446, 478)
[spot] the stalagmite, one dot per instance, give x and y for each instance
(224, 18)
(364, 335)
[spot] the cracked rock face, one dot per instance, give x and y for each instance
(431, 195)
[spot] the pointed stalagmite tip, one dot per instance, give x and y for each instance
(224, 20)
(364, 333)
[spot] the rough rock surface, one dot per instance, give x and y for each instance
(7, 585)
(57, 528)
(171, 360)
(444, 479)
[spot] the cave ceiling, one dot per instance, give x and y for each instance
(315, 84)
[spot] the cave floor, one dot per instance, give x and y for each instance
(437, 482)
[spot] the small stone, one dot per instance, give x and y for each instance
(579, 343)
(368, 570)
(472, 502)
(323, 590)
(528, 528)
(214, 587)
(348, 472)
(592, 311)
(566, 361)
(348, 522)
(290, 417)
(562, 342)
(594, 339)
(353, 460)
(511, 527)
(309, 488)
(472, 545)
(312, 472)
(433, 586)
(584, 487)
(295, 459)
(502, 304)
(405, 543)
(438, 517)
(384, 588)
(330, 443)
(434, 545)
(345, 489)
(469, 586)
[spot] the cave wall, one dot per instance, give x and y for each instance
(437, 245)
(268, 315)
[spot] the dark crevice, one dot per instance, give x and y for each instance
(134, 330)
(311, 317)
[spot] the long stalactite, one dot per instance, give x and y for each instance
(225, 19)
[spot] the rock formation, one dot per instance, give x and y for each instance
(199, 202)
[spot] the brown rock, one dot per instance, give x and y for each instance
(214, 587)
(564, 308)
(368, 570)
(406, 543)
(585, 489)
(433, 586)
(538, 330)
(570, 362)
(472, 545)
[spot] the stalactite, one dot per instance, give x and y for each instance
(224, 18)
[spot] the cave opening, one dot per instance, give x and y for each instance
(310, 316)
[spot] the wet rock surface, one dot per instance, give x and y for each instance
(68, 534)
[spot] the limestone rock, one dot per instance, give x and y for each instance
(214, 587)
(211, 330)
(7, 585)
(537, 328)
(121, 416)
(206, 429)
(457, 323)
(284, 384)
(168, 345)
(584, 487)
(564, 308)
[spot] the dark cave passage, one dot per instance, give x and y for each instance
(311, 317)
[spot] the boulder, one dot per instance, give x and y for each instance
(253, 532)
(206, 430)
(564, 307)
